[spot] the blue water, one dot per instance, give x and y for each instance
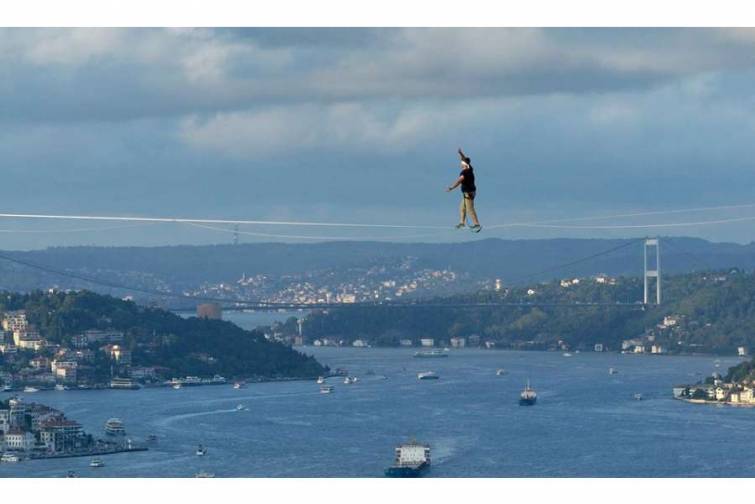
(586, 422)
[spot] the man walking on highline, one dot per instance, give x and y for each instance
(468, 191)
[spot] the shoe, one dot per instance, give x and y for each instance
(460, 225)
(476, 228)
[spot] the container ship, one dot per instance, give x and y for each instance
(528, 397)
(412, 459)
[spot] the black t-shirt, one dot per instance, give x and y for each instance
(467, 185)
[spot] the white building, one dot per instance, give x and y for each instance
(18, 440)
(458, 342)
(427, 342)
(742, 351)
(405, 342)
(359, 343)
(598, 347)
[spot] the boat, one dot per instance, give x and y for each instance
(350, 380)
(320, 380)
(201, 451)
(638, 397)
(326, 389)
(72, 474)
(96, 463)
(30, 390)
(60, 388)
(204, 474)
(177, 386)
(152, 438)
(240, 407)
(114, 427)
(612, 371)
(427, 375)
(7, 388)
(412, 459)
(9, 457)
(239, 385)
(567, 354)
(500, 372)
(432, 354)
(528, 397)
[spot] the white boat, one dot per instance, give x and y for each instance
(638, 397)
(350, 380)
(7, 388)
(567, 354)
(9, 457)
(177, 386)
(60, 388)
(201, 451)
(612, 371)
(320, 380)
(30, 390)
(326, 389)
(427, 375)
(500, 372)
(114, 427)
(240, 407)
(96, 463)
(204, 474)
(239, 385)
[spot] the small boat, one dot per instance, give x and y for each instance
(152, 438)
(528, 397)
(7, 387)
(72, 474)
(567, 354)
(350, 380)
(9, 457)
(427, 375)
(96, 463)
(500, 372)
(239, 385)
(320, 380)
(60, 388)
(638, 397)
(177, 386)
(204, 474)
(201, 451)
(30, 390)
(612, 371)
(327, 389)
(240, 407)
(412, 460)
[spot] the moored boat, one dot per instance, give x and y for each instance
(327, 389)
(500, 372)
(431, 354)
(427, 375)
(96, 463)
(30, 390)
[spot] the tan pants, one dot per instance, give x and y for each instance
(467, 208)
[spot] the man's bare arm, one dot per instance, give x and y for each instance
(456, 184)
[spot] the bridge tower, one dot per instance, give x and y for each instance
(654, 271)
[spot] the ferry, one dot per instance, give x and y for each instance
(327, 389)
(432, 354)
(500, 372)
(114, 427)
(412, 459)
(30, 390)
(427, 375)
(320, 380)
(201, 451)
(96, 463)
(528, 397)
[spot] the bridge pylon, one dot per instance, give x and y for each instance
(652, 271)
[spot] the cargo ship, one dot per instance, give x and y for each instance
(412, 459)
(528, 397)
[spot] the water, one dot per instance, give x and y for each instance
(586, 422)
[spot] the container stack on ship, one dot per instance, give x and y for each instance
(412, 459)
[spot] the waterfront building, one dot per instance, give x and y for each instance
(473, 340)
(598, 347)
(427, 342)
(657, 349)
(458, 342)
(742, 351)
(17, 439)
(60, 435)
(405, 342)
(359, 343)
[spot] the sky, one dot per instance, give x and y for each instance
(362, 125)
